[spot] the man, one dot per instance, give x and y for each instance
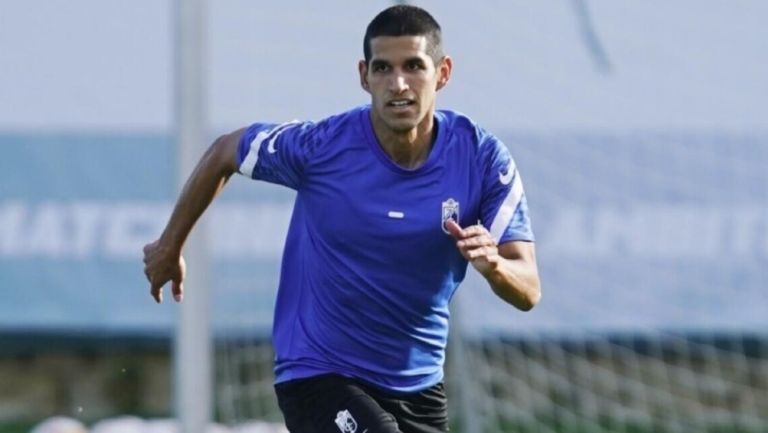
(375, 248)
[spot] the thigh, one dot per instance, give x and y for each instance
(331, 404)
(421, 412)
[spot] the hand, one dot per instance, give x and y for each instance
(476, 245)
(161, 264)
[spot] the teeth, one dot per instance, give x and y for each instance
(400, 103)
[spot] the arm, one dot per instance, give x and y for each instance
(162, 258)
(510, 268)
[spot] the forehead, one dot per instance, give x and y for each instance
(394, 48)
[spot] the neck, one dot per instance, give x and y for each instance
(408, 149)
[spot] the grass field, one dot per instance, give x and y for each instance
(16, 427)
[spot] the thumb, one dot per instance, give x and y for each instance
(177, 284)
(177, 287)
(454, 229)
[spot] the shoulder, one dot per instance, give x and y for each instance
(309, 137)
(466, 133)
(334, 126)
(342, 122)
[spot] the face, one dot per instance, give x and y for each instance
(403, 81)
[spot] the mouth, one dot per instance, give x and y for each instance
(400, 103)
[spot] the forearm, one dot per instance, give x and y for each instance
(516, 282)
(203, 185)
(509, 268)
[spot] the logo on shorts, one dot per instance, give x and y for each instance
(346, 423)
(450, 212)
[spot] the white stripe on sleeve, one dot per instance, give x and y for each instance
(279, 130)
(507, 210)
(250, 160)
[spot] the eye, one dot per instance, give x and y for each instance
(379, 67)
(414, 65)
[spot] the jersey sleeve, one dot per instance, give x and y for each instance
(277, 153)
(504, 208)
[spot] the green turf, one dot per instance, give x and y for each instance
(16, 427)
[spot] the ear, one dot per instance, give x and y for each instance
(444, 69)
(362, 69)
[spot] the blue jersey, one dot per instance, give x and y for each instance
(368, 268)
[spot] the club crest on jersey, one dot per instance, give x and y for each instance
(450, 212)
(345, 422)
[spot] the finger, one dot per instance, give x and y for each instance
(177, 287)
(476, 241)
(475, 254)
(482, 252)
(157, 292)
(475, 230)
(148, 247)
(469, 238)
(454, 229)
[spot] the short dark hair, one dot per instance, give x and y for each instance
(405, 20)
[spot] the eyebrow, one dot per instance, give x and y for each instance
(381, 62)
(414, 59)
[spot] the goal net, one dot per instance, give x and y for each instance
(627, 383)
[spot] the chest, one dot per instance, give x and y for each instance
(362, 202)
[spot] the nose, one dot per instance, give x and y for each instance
(398, 84)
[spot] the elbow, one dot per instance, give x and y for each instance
(530, 301)
(521, 289)
(523, 300)
(530, 297)
(224, 145)
(224, 151)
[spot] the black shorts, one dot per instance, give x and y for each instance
(336, 404)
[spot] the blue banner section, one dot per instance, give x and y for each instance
(641, 230)
(634, 230)
(71, 210)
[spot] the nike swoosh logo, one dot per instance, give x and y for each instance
(271, 146)
(505, 179)
(279, 130)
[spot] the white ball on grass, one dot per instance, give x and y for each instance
(60, 424)
(162, 426)
(259, 427)
(124, 424)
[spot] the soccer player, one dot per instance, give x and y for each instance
(393, 200)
